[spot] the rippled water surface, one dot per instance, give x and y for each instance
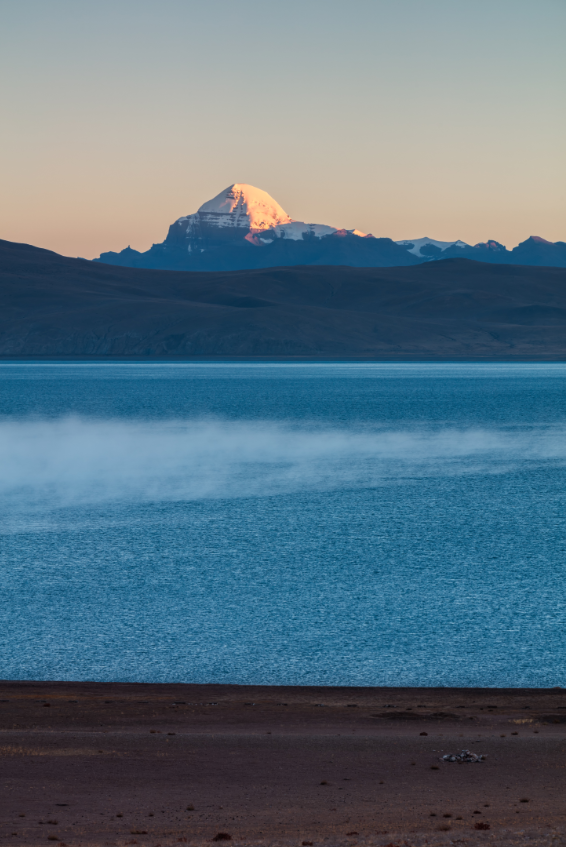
(351, 524)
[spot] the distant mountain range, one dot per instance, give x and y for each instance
(243, 228)
(53, 306)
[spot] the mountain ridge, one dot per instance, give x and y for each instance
(243, 227)
(53, 306)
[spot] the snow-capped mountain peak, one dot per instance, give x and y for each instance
(242, 206)
(427, 247)
(244, 227)
(242, 211)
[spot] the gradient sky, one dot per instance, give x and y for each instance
(403, 118)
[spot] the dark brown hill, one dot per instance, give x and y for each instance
(56, 307)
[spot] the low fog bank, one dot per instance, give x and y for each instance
(70, 461)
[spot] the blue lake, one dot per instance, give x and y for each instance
(325, 524)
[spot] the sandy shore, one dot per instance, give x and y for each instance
(117, 764)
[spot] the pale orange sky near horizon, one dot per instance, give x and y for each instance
(402, 118)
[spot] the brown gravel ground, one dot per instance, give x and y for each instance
(124, 764)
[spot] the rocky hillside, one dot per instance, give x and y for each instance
(52, 307)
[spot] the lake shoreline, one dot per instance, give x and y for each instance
(290, 360)
(147, 763)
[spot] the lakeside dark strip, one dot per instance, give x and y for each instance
(120, 763)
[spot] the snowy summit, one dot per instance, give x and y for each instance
(244, 206)
(244, 227)
(244, 211)
(427, 248)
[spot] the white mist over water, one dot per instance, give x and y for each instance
(73, 460)
(418, 539)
